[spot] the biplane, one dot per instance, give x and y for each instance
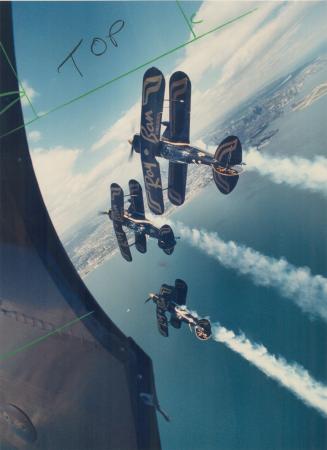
(174, 144)
(172, 299)
(134, 219)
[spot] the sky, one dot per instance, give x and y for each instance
(78, 150)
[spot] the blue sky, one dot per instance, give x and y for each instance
(79, 150)
(47, 32)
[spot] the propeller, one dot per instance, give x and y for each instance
(131, 154)
(133, 129)
(151, 296)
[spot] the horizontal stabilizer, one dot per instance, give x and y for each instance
(228, 153)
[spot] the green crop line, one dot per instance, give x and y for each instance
(125, 74)
(4, 94)
(185, 17)
(20, 84)
(10, 105)
(43, 338)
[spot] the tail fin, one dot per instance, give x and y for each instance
(166, 239)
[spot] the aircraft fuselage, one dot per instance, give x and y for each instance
(170, 306)
(185, 153)
(140, 226)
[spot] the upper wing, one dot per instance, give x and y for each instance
(117, 203)
(179, 107)
(117, 213)
(137, 204)
(152, 104)
(178, 130)
(166, 240)
(228, 153)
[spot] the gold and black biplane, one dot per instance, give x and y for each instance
(174, 143)
(134, 219)
(172, 299)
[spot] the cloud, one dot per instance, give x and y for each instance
(293, 377)
(30, 92)
(122, 130)
(34, 136)
(73, 197)
(246, 56)
(307, 291)
(294, 171)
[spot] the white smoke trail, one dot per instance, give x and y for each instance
(307, 291)
(292, 376)
(294, 171)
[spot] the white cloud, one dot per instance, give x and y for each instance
(30, 92)
(247, 55)
(34, 136)
(72, 197)
(122, 130)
